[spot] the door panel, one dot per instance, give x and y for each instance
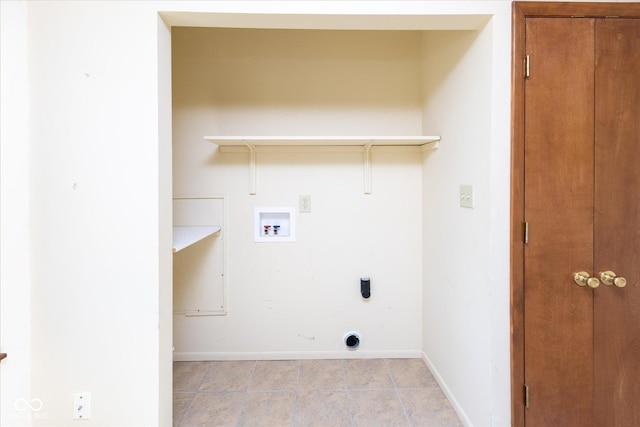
(617, 222)
(559, 164)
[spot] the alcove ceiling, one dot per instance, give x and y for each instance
(347, 21)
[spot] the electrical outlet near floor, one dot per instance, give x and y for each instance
(466, 196)
(305, 203)
(81, 406)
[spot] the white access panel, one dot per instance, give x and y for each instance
(199, 268)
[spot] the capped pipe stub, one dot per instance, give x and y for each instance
(352, 340)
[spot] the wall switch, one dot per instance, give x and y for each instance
(466, 196)
(305, 204)
(81, 406)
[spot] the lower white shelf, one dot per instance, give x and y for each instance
(185, 236)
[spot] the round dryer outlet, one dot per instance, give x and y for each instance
(352, 340)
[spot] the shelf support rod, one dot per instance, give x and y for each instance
(252, 167)
(367, 167)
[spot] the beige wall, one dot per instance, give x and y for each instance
(299, 299)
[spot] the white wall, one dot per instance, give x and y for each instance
(15, 370)
(463, 326)
(165, 221)
(299, 299)
(100, 211)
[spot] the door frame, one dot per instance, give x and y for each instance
(520, 12)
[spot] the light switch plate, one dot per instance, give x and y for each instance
(466, 196)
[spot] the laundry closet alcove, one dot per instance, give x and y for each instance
(346, 117)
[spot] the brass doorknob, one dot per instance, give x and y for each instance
(609, 278)
(582, 278)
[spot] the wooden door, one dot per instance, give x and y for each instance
(617, 222)
(580, 188)
(559, 170)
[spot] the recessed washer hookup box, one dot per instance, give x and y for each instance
(275, 224)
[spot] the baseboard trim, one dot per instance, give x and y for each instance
(447, 392)
(292, 355)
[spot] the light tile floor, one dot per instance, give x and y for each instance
(360, 392)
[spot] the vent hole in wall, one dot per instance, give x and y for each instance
(352, 341)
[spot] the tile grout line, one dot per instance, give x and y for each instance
(395, 389)
(348, 390)
(186, 411)
(195, 393)
(297, 391)
(209, 365)
(246, 393)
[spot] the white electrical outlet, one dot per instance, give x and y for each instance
(466, 196)
(81, 406)
(305, 204)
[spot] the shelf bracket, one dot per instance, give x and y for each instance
(427, 143)
(252, 167)
(367, 167)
